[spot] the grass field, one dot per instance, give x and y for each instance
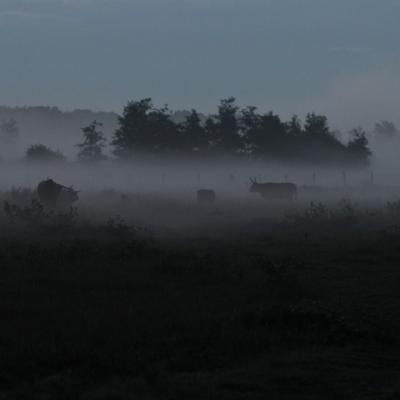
(297, 304)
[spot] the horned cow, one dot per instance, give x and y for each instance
(274, 191)
(52, 194)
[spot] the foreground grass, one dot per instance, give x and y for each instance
(285, 315)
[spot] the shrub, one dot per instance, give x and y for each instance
(40, 152)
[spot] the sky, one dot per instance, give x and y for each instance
(340, 58)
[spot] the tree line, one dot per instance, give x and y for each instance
(144, 130)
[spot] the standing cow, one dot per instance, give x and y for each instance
(206, 196)
(274, 191)
(52, 194)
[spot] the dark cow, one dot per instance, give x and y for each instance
(274, 191)
(206, 196)
(52, 194)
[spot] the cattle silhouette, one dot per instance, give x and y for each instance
(205, 196)
(52, 194)
(274, 191)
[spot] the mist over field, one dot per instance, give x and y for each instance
(199, 199)
(151, 182)
(62, 131)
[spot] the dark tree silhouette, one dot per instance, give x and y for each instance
(249, 122)
(93, 143)
(322, 145)
(294, 128)
(210, 129)
(386, 130)
(9, 130)
(42, 153)
(358, 146)
(132, 134)
(317, 126)
(296, 142)
(164, 133)
(224, 131)
(144, 129)
(273, 140)
(194, 139)
(265, 135)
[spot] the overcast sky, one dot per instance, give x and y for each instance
(339, 57)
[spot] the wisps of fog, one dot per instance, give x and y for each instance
(62, 131)
(179, 176)
(361, 98)
(59, 130)
(161, 196)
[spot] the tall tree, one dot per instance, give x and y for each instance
(273, 139)
(358, 146)
(9, 130)
(317, 126)
(293, 127)
(386, 130)
(42, 153)
(145, 129)
(264, 133)
(93, 143)
(321, 143)
(225, 129)
(295, 137)
(194, 139)
(164, 133)
(250, 127)
(133, 132)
